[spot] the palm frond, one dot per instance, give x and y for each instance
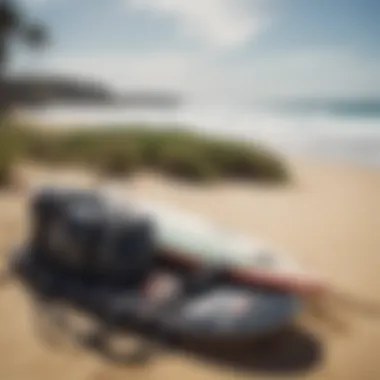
(10, 18)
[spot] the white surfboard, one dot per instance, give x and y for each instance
(193, 238)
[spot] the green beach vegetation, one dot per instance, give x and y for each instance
(121, 151)
(124, 151)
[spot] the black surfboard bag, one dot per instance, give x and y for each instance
(105, 262)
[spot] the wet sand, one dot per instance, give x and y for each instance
(329, 219)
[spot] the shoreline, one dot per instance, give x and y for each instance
(362, 152)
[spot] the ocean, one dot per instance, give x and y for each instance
(341, 131)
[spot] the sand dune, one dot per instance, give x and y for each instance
(328, 219)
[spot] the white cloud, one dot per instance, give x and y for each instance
(205, 75)
(323, 73)
(221, 23)
(157, 70)
(320, 73)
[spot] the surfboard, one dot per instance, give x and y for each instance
(198, 242)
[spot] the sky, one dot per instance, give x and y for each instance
(224, 50)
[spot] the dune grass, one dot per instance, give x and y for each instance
(120, 152)
(9, 152)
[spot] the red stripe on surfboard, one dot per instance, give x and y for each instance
(292, 283)
(296, 284)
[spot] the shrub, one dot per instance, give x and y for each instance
(239, 160)
(186, 163)
(172, 151)
(116, 160)
(6, 171)
(9, 150)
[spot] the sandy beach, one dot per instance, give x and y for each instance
(329, 219)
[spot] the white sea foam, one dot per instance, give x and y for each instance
(321, 134)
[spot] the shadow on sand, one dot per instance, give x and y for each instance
(290, 351)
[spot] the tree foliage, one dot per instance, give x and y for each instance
(15, 27)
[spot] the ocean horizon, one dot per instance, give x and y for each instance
(348, 132)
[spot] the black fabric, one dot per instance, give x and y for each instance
(128, 253)
(49, 205)
(204, 279)
(102, 260)
(219, 311)
(76, 232)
